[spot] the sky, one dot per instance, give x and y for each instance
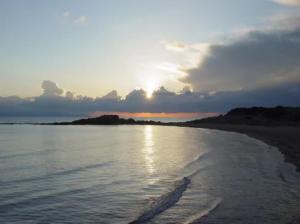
(147, 56)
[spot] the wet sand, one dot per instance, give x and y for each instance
(286, 139)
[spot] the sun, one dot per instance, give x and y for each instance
(149, 91)
(149, 94)
(150, 86)
(150, 80)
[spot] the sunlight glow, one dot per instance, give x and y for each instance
(148, 149)
(152, 83)
(149, 115)
(149, 94)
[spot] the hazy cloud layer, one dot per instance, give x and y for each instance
(54, 103)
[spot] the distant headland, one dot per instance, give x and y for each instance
(261, 116)
(108, 120)
(257, 116)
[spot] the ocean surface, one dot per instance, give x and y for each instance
(142, 174)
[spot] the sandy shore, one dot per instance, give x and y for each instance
(286, 139)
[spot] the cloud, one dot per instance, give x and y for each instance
(288, 2)
(284, 21)
(186, 89)
(70, 95)
(162, 101)
(175, 46)
(113, 95)
(69, 18)
(255, 60)
(189, 54)
(80, 20)
(170, 68)
(51, 89)
(259, 68)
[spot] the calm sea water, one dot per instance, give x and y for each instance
(142, 174)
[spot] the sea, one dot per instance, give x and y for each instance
(142, 174)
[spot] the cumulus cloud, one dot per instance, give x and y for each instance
(113, 95)
(70, 95)
(288, 2)
(186, 89)
(51, 89)
(257, 59)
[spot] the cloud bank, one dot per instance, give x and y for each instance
(53, 103)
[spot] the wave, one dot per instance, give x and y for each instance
(169, 199)
(36, 200)
(164, 202)
(282, 177)
(198, 171)
(196, 218)
(12, 156)
(196, 160)
(60, 173)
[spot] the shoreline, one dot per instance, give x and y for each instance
(285, 138)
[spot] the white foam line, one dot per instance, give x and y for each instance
(204, 213)
(164, 202)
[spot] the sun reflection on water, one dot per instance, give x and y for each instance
(148, 149)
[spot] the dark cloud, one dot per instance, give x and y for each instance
(70, 95)
(258, 59)
(161, 101)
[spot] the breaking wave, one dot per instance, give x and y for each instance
(196, 160)
(195, 218)
(164, 202)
